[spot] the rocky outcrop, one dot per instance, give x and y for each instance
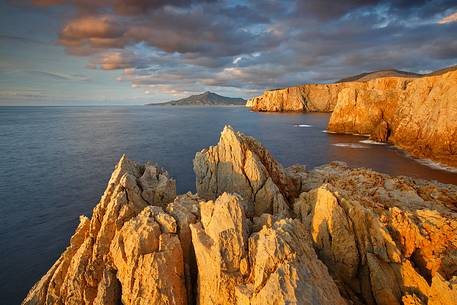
(304, 98)
(276, 265)
(332, 235)
(240, 164)
(385, 240)
(128, 241)
(419, 115)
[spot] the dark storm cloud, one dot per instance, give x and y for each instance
(122, 7)
(257, 44)
(326, 9)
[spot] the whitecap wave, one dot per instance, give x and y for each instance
(302, 125)
(372, 142)
(328, 131)
(351, 145)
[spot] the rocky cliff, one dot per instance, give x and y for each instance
(258, 233)
(324, 97)
(419, 115)
(305, 98)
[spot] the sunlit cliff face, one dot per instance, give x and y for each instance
(232, 47)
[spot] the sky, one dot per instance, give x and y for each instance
(131, 52)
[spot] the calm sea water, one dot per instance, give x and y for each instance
(55, 163)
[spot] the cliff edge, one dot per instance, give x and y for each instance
(419, 115)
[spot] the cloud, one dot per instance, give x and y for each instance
(61, 76)
(121, 7)
(84, 34)
(448, 19)
(328, 9)
(189, 45)
(13, 38)
(23, 94)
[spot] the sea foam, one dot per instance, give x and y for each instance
(351, 145)
(372, 142)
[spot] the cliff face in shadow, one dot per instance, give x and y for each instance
(258, 233)
(419, 115)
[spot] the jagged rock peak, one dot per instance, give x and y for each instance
(240, 164)
(129, 240)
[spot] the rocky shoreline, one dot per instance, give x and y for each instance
(417, 114)
(257, 233)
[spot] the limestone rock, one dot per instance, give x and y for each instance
(419, 115)
(220, 243)
(384, 239)
(285, 269)
(443, 292)
(149, 260)
(157, 186)
(276, 265)
(239, 164)
(416, 114)
(304, 98)
(95, 268)
(358, 237)
(185, 210)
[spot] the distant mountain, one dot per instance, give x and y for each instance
(205, 99)
(363, 77)
(442, 71)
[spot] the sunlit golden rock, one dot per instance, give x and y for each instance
(239, 164)
(419, 115)
(341, 236)
(384, 239)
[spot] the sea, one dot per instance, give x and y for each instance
(55, 163)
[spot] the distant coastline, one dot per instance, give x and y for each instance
(204, 100)
(194, 106)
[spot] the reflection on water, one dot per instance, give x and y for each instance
(55, 162)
